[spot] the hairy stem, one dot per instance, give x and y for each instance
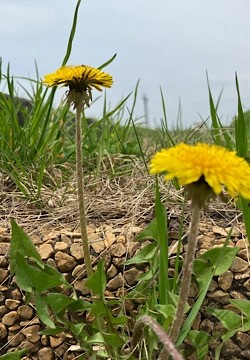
(80, 188)
(187, 272)
(158, 330)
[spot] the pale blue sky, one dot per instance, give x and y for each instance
(167, 43)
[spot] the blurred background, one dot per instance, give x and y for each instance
(164, 43)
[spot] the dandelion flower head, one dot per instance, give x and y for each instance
(215, 164)
(80, 79)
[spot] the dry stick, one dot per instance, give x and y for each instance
(80, 189)
(186, 278)
(158, 330)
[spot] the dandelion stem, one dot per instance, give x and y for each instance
(80, 188)
(158, 330)
(187, 271)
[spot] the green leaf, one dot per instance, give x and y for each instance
(42, 311)
(150, 232)
(146, 254)
(14, 355)
(97, 281)
(55, 331)
(243, 305)
(199, 340)
(58, 302)
(219, 258)
(229, 319)
(20, 242)
(107, 62)
(29, 276)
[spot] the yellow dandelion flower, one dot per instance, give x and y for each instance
(212, 164)
(80, 79)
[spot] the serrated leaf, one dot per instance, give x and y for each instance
(229, 319)
(42, 311)
(20, 242)
(146, 254)
(97, 281)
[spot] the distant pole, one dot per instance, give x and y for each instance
(145, 105)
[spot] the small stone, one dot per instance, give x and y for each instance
(46, 251)
(109, 238)
(61, 350)
(33, 329)
(12, 304)
(4, 275)
(44, 340)
(16, 294)
(229, 349)
(131, 275)
(67, 239)
(246, 285)
(31, 347)
(116, 282)
(213, 286)
(3, 310)
(64, 261)
(52, 235)
(79, 271)
(46, 353)
(15, 339)
(243, 339)
(10, 318)
(96, 242)
(117, 250)
(61, 246)
(237, 295)
(55, 341)
(132, 247)
(136, 229)
(245, 354)
(112, 271)
(4, 248)
(25, 312)
(80, 286)
(194, 290)
(244, 254)
(241, 276)
(217, 294)
(242, 244)
(51, 262)
(14, 328)
(207, 326)
(3, 331)
(3, 261)
(225, 280)
(239, 265)
(121, 239)
(34, 321)
(219, 230)
(76, 250)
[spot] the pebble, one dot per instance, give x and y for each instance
(225, 280)
(239, 265)
(76, 250)
(4, 248)
(46, 353)
(116, 282)
(12, 304)
(96, 242)
(131, 275)
(112, 271)
(64, 261)
(15, 339)
(25, 312)
(61, 246)
(10, 318)
(3, 275)
(243, 339)
(3, 331)
(46, 251)
(79, 271)
(117, 250)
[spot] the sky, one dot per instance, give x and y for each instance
(166, 44)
